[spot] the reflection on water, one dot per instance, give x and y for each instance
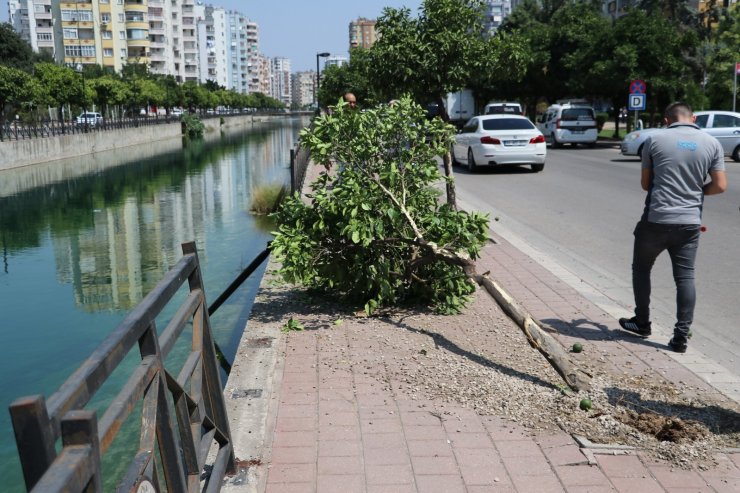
(88, 239)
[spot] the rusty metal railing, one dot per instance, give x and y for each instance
(196, 402)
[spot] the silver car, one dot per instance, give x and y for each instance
(634, 141)
(725, 127)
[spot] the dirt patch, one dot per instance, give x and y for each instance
(663, 428)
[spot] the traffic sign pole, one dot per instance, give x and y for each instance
(734, 87)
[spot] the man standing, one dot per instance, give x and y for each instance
(675, 165)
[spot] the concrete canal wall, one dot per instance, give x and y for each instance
(19, 153)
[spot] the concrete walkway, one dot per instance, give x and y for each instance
(328, 415)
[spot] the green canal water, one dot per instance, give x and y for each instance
(83, 241)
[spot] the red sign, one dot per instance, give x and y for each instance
(737, 68)
(638, 87)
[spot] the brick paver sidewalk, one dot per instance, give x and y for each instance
(338, 429)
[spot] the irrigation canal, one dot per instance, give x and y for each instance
(81, 242)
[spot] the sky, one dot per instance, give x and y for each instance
(298, 29)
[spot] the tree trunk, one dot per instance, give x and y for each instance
(450, 185)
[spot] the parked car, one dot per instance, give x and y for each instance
(634, 141)
(569, 123)
(492, 140)
(725, 127)
(176, 112)
(505, 108)
(90, 118)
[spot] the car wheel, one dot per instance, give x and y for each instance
(453, 159)
(736, 154)
(538, 167)
(555, 143)
(471, 161)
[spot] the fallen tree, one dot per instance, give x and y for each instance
(375, 231)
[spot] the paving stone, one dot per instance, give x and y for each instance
(338, 419)
(540, 484)
(622, 466)
(439, 484)
(292, 473)
(373, 425)
(435, 432)
(290, 488)
(339, 448)
(671, 477)
(387, 456)
(293, 455)
(383, 440)
(567, 454)
(434, 465)
(340, 465)
(389, 474)
(296, 424)
(527, 466)
(295, 439)
(519, 448)
(429, 448)
(391, 488)
(471, 440)
(632, 485)
(581, 476)
(341, 483)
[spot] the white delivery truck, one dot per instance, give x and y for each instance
(460, 106)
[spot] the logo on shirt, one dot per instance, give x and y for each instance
(687, 144)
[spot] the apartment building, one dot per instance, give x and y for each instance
(303, 84)
(161, 55)
(32, 20)
(281, 88)
(336, 61)
(213, 46)
(264, 74)
(495, 13)
(253, 42)
(362, 33)
(238, 53)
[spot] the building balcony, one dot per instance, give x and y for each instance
(137, 59)
(137, 43)
(79, 24)
(42, 15)
(157, 31)
(135, 7)
(157, 57)
(137, 25)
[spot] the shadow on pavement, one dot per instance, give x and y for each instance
(593, 331)
(441, 342)
(496, 170)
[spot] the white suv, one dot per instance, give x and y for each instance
(569, 123)
(91, 119)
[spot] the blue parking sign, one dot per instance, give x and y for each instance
(637, 102)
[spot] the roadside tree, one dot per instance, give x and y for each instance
(375, 233)
(15, 88)
(14, 51)
(61, 86)
(722, 61)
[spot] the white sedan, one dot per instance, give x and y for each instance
(492, 140)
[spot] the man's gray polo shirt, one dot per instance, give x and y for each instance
(680, 157)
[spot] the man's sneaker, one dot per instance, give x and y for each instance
(677, 346)
(632, 325)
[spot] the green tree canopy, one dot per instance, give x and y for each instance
(14, 51)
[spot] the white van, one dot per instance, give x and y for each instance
(503, 109)
(569, 123)
(90, 118)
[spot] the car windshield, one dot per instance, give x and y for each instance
(578, 114)
(507, 124)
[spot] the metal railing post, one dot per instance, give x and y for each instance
(292, 171)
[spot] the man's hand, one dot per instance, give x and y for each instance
(718, 183)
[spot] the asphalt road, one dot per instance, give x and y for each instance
(581, 211)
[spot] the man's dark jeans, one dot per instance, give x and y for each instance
(681, 241)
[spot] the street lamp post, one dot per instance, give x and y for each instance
(79, 68)
(316, 86)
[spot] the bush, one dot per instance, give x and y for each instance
(375, 232)
(192, 125)
(265, 198)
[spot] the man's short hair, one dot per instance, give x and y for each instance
(678, 109)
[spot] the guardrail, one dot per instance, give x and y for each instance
(41, 129)
(200, 411)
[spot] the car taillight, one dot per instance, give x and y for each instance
(557, 123)
(489, 140)
(540, 139)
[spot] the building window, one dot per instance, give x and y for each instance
(76, 51)
(120, 17)
(107, 35)
(137, 34)
(69, 33)
(104, 1)
(108, 52)
(77, 15)
(105, 18)
(44, 36)
(124, 53)
(121, 34)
